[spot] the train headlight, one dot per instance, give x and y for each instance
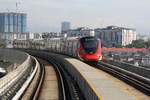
(100, 58)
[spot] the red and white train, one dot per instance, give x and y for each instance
(86, 48)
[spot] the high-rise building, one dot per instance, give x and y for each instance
(116, 36)
(13, 22)
(65, 26)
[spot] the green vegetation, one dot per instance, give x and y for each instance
(2, 44)
(119, 46)
(138, 44)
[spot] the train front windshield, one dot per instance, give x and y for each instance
(90, 44)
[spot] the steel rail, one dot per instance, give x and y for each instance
(69, 90)
(36, 90)
(35, 93)
(27, 82)
(139, 82)
(62, 92)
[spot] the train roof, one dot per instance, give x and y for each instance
(20, 39)
(89, 37)
(74, 38)
(58, 38)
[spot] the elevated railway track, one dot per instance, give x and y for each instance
(98, 83)
(14, 83)
(39, 78)
(138, 77)
(67, 89)
(82, 80)
(55, 76)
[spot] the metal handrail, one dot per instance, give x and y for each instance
(12, 78)
(27, 82)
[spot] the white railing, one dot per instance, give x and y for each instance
(12, 78)
(27, 82)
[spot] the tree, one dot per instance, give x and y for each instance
(138, 44)
(2, 43)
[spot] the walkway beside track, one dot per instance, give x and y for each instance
(105, 85)
(49, 89)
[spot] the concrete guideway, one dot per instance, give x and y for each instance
(137, 77)
(31, 74)
(107, 86)
(28, 94)
(104, 85)
(50, 88)
(67, 87)
(96, 84)
(15, 82)
(44, 85)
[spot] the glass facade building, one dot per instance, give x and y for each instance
(65, 26)
(114, 36)
(13, 22)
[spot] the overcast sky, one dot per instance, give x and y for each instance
(46, 15)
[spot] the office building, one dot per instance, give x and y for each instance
(65, 26)
(12, 26)
(13, 22)
(113, 36)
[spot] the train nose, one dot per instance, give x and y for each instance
(91, 57)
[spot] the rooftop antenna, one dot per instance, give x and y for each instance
(7, 10)
(17, 4)
(16, 7)
(101, 23)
